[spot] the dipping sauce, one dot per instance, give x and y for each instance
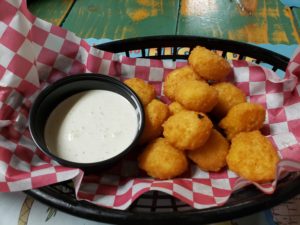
(91, 126)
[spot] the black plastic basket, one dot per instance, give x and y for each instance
(158, 208)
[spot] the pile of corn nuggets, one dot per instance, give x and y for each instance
(208, 122)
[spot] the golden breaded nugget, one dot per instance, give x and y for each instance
(187, 130)
(253, 157)
(161, 160)
(243, 117)
(212, 155)
(208, 65)
(175, 107)
(228, 96)
(144, 91)
(176, 77)
(196, 96)
(156, 113)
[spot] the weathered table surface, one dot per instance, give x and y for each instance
(259, 21)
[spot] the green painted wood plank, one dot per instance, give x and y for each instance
(53, 11)
(118, 19)
(259, 21)
(296, 14)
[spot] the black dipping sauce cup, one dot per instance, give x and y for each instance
(57, 92)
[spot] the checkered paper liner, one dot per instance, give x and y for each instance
(35, 53)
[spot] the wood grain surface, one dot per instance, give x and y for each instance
(258, 21)
(54, 11)
(296, 15)
(117, 19)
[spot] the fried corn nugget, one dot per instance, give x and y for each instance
(144, 91)
(187, 130)
(208, 65)
(228, 96)
(243, 117)
(196, 96)
(175, 107)
(212, 155)
(161, 160)
(253, 157)
(156, 113)
(176, 77)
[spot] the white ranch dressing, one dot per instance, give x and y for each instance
(91, 126)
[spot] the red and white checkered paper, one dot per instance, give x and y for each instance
(34, 53)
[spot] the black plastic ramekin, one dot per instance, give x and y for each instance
(57, 92)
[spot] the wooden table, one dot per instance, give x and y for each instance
(258, 21)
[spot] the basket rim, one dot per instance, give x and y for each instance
(246, 49)
(84, 209)
(91, 211)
